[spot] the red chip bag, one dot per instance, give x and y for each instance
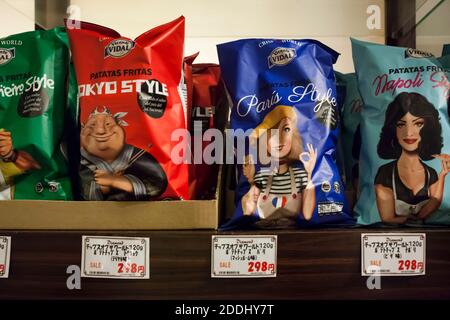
(188, 62)
(209, 111)
(132, 98)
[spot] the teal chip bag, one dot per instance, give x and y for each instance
(33, 74)
(405, 135)
(351, 108)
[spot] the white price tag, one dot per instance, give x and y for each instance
(115, 257)
(244, 256)
(5, 250)
(393, 254)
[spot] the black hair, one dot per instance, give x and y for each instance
(431, 133)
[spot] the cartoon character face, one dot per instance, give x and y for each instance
(408, 132)
(280, 139)
(102, 136)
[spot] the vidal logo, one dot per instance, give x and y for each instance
(119, 48)
(281, 56)
(414, 53)
(6, 55)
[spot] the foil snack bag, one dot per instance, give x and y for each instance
(33, 72)
(132, 98)
(285, 114)
(209, 111)
(405, 135)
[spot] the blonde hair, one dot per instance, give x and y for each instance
(261, 142)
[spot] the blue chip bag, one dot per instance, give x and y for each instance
(405, 134)
(349, 137)
(446, 50)
(285, 123)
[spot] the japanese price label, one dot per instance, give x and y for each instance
(5, 250)
(243, 256)
(393, 254)
(115, 257)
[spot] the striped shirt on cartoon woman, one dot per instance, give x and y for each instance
(281, 183)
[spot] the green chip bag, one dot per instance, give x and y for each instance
(33, 71)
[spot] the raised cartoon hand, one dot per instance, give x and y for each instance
(248, 168)
(250, 201)
(311, 157)
(445, 163)
(6, 146)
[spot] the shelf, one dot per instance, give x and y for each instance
(312, 264)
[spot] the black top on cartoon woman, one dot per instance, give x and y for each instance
(284, 189)
(407, 188)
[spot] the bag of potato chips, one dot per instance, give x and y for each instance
(132, 98)
(405, 135)
(33, 71)
(209, 111)
(285, 119)
(349, 135)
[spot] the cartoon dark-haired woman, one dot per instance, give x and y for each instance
(285, 190)
(407, 188)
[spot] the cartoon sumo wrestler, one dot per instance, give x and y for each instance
(12, 163)
(287, 188)
(111, 169)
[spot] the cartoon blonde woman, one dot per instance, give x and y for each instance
(407, 187)
(12, 163)
(285, 187)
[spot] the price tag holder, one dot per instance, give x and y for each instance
(243, 256)
(393, 254)
(115, 257)
(5, 251)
